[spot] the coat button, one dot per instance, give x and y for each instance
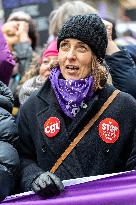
(44, 148)
(106, 151)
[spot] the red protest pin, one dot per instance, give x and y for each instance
(52, 127)
(109, 130)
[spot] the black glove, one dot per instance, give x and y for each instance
(47, 184)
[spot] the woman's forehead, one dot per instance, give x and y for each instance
(74, 41)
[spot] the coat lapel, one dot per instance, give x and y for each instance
(49, 107)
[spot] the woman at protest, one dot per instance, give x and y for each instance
(75, 93)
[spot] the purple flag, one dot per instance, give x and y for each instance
(114, 190)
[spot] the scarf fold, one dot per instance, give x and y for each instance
(71, 94)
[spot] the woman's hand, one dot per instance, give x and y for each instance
(47, 184)
(108, 26)
(112, 47)
(23, 31)
(15, 32)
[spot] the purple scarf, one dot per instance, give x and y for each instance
(71, 94)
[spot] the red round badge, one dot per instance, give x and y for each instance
(109, 130)
(52, 126)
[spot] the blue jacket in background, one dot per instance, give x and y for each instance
(9, 160)
(123, 71)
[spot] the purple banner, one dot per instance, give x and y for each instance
(115, 190)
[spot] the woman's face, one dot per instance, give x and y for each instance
(10, 30)
(46, 65)
(75, 59)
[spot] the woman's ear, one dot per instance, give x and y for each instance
(93, 62)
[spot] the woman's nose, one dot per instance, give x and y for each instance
(71, 55)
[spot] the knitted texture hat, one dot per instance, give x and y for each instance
(51, 50)
(89, 29)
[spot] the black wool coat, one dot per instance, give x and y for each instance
(122, 68)
(93, 155)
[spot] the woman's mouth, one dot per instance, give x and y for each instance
(72, 68)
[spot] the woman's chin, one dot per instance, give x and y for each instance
(71, 76)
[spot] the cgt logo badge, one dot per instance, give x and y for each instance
(52, 127)
(109, 130)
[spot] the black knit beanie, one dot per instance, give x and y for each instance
(89, 29)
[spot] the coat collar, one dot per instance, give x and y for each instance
(45, 92)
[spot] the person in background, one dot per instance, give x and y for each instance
(9, 159)
(121, 63)
(40, 72)
(123, 44)
(73, 94)
(25, 47)
(7, 62)
(21, 35)
(32, 30)
(16, 32)
(70, 8)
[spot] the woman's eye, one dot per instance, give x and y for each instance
(45, 62)
(82, 49)
(64, 46)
